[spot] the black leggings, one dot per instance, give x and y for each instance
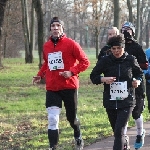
(118, 119)
(139, 96)
(139, 107)
(69, 97)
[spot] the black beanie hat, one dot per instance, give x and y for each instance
(56, 19)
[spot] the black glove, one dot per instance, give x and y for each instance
(127, 35)
(147, 76)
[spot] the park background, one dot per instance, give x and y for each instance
(24, 27)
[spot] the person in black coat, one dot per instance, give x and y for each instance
(121, 75)
(112, 31)
(133, 48)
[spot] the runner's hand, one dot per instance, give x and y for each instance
(108, 80)
(66, 74)
(136, 83)
(36, 79)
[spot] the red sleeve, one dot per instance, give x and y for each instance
(83, 61)
(43, 69)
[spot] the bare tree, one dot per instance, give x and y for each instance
(137, 34)
(129, 5)
(92, 21)
(116, 14)
(2, 9)
(143, 20)
(39, 13)
(148, 30)
(96, 33)
(28, 31)
(12, 34)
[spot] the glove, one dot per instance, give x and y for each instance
(147, 76)
(127, 35)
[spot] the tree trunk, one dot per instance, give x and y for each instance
(32, 33)
(2, 9)
(137, 34)
(116, 14)
(4, 45)
(81, 35)
(47, 18)
(148, 31)
(130, 10)
(25, 27)
(5, 34)
(96, 41)
(96, 31)
(39, 12)
(75, 23)
(142, 22)
(28, 32)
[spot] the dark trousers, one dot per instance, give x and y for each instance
(148, 94)
(69, 98)
(118, 119)
(139, 96)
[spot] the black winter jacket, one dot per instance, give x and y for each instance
(104, 52)
(133, 48)
(124, 68)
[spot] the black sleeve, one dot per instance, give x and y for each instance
(100, 55)
(95, 75)
(137, 71)
(141, 57)
(103, 52)
(147, 76)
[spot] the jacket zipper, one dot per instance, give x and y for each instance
(54, 45)
(118, 81)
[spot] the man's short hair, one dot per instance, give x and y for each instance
(114, 28)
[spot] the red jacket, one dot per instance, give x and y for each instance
(74, 60)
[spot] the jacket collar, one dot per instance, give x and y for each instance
(121, 59)
(55, 40)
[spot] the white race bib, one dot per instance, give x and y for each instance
(55, 61)
(118, 90)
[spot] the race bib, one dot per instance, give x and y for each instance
(118, 90)
(55, 61)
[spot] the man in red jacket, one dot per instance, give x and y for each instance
(64, 59)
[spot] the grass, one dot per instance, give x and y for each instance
(23, 118)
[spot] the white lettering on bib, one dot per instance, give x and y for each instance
(118, 90)
(55, 61)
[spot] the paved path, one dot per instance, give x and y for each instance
(107, 143)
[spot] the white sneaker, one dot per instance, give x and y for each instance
(52, 148)
(126, 143)
(79, 143)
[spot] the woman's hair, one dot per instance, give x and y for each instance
(117, 40)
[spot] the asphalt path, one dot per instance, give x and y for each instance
(107, 144)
